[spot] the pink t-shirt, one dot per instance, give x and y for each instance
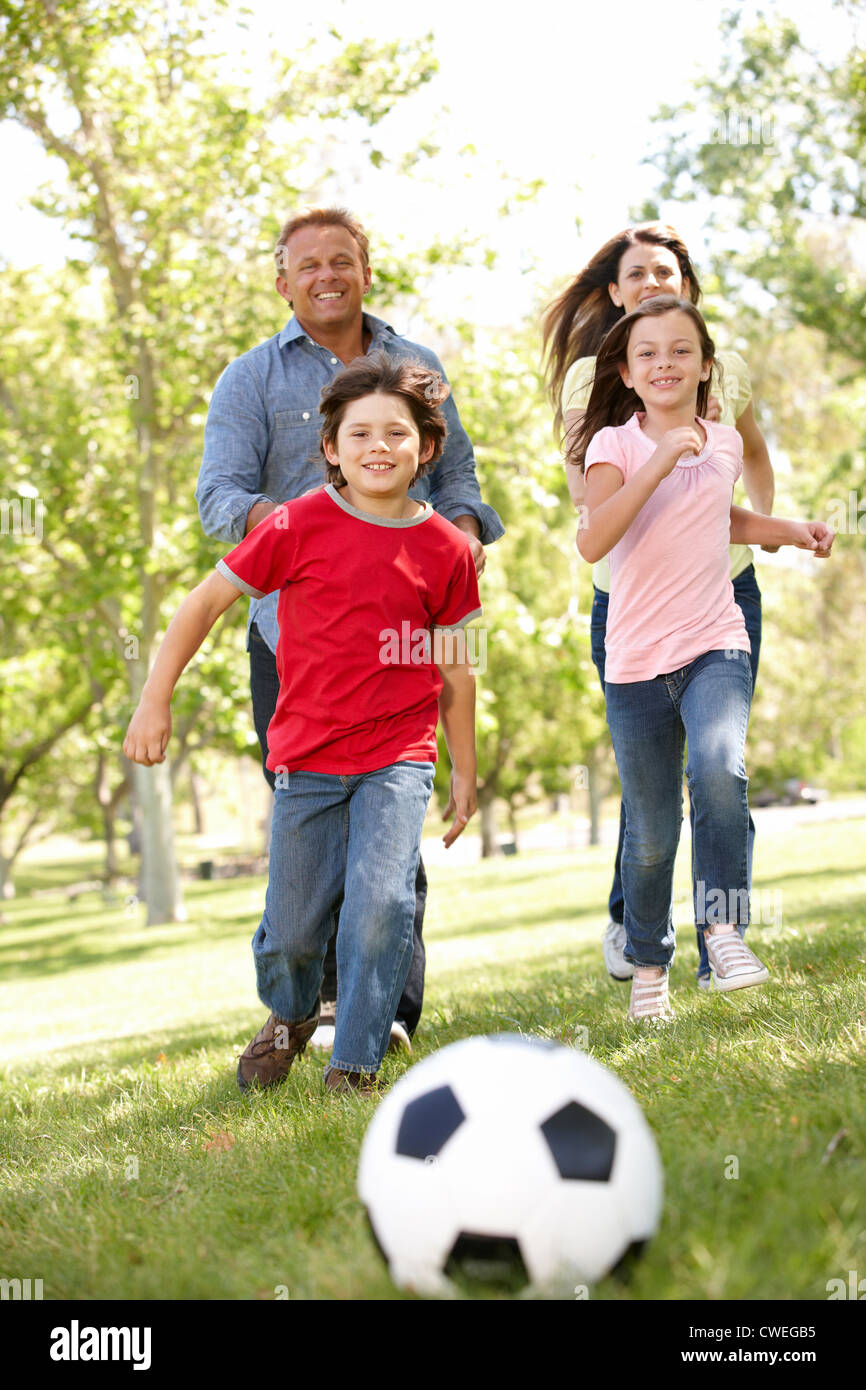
(671, 596)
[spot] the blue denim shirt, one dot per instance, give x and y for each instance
(261, 442)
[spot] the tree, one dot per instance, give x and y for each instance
(538, 701)
(125, 96)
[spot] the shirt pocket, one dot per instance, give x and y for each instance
(294, 464)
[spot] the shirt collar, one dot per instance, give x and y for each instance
(376, 327)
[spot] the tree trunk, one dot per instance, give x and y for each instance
(159, 881)
(197, 807)
(594, 799)
(487, 807)
(7, 887)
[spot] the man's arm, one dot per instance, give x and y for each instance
(457, 715)
(236, 441)
(454, 490)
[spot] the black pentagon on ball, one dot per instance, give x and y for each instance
(428, 1123)
(476, 1259)
(582, 1144)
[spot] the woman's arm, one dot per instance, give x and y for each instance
(752, 528)
(758, 478)
(150, 726)
(573, 475)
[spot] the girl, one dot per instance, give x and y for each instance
(636, 265)
(358, 564)
(659, 482)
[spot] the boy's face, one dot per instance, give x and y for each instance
(378, 446)
(664, 360)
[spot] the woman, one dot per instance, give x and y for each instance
(639, 264)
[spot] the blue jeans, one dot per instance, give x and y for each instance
(748, 596)
(264, 688)
(355, 837)
(707, 704)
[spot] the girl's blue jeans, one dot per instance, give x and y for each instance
(707, 704)
(357, 837)
(748, 596)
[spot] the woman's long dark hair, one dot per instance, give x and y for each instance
(612, 402)
(575, 323)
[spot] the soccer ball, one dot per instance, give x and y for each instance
(508, 1158)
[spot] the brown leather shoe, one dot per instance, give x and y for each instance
(361, 1083)
(269, 1056)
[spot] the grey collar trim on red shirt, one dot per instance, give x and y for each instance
(334, 494)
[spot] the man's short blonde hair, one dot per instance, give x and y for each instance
(322, 217)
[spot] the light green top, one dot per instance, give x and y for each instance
(732, 388)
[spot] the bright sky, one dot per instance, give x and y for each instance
(551, 90)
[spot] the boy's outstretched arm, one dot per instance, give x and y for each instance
(457, 714)
(752, 528)
(150, 726)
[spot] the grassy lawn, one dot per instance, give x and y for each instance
(131, 1167)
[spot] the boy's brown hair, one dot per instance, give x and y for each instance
(378, 374)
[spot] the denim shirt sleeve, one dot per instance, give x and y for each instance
(235, 450)
(454, 489)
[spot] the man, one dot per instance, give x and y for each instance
(261, 448)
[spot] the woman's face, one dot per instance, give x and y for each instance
(645, 271)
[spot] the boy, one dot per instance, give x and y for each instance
(353, 738)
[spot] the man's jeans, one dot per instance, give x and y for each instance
(748, 596)
(707, 703)
(264, 688)
(355, 837)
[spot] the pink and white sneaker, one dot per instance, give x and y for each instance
(649, 997)
(732, 964)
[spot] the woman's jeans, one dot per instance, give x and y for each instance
(356, 838)
(748, 596)
(707, 704)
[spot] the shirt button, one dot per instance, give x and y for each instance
(333, 361)
(306, 414)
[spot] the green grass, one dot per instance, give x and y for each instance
(133, 1168)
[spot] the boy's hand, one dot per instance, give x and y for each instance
(462, 804)
(713, 412)
(674, 445)
(148, 734)
(816, 536)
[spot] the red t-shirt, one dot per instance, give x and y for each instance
(356, 594)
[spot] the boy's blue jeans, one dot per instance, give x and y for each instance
(357, 836)
(748, 596)
(707, 703)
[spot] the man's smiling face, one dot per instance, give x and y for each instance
(324, 278)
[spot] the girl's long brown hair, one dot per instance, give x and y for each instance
(612, 402)
(575, 323)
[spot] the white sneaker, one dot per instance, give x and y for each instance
(733, 965)
(649, 998)
(613, 946)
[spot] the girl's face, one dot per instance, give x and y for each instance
(378, 446)
(664, 364)
(645, 271)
